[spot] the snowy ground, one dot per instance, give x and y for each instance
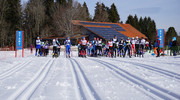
(47, 78)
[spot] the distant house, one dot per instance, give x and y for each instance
(105, 30)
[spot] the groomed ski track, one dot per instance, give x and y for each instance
(154, 89)
(87, 79)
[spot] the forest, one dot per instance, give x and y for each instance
(46, 18)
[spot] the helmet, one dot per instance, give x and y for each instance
(133, 38)
(136, 37)
(128, 38)
(174, 38)
(38, 37)
(54, 40)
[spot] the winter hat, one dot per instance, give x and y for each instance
(174, 38)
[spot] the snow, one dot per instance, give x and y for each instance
(101, 78)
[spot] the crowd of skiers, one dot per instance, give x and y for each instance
(112, 48)
(42, 49)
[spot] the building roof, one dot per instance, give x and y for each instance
(107, 30)
(58, 37)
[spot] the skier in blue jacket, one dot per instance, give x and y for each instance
(38, 46)
(68, 47)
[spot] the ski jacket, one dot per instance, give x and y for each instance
(110, 44)
(147, 43)
(121, 43)
(128, 42)
(94, 42)
(68, 43)
(107, 46)
(115, 43)
(83, 42)
(115, 40)
(174, 43)
(137, 41)
(143, 41)
(46, 45)
(170, 44)
(133, 41)
(99, 43)
(38, 42)
(158, 42)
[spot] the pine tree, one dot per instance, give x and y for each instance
(86, 12)
(147, 26)
(141, 24)
(13, 18)
(62, 2)
(113, 14)
(97, 11)
(144, 28)
(170, 34)
(101, 13)
(131, 20)
(136, 24)
(4, 26)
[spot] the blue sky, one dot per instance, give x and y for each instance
(166, 13)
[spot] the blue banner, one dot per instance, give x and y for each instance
(161, 37)
(19, 40)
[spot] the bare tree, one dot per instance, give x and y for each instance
(35, 13)
(63, 17)
(34, 17)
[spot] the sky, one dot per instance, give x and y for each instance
(166, 13)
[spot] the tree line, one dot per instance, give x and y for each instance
(48, 17)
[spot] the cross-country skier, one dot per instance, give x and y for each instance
(42, 49)
(58, 47)
(107, 49)
(38, 46)
(111, 48)
(128, 47)
(133, 46)
(137, 45)
(142, 44)
(175, 46)
(121, 47)
(158, 47)
(99, 46)
(83, 48)
(55, 45)
(90, 48)
(68, 47)
(115, 45)
(46, 47)
(94, 46)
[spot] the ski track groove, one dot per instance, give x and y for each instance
(152, 68)
(27, 90)
(156, 62)
(154, 89)
(13, 69)
(89, 89)
(80, 94)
